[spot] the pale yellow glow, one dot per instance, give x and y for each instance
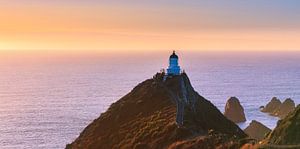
(135, 41)
(105, 28)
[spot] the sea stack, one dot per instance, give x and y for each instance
(285, 108)
(234, 111)
(162, 112)
(276, 108)
(273, 105)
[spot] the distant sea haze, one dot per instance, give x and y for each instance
(47, 104)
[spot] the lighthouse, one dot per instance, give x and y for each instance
(174, 68)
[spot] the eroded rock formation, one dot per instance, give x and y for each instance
(285, 108)
(273, 105)
(234, 111)
(257, 130)
(276, 108)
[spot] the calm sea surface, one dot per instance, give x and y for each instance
(46, 103)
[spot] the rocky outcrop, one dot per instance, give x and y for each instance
(286, 134)
(276, 108)
(273, 105)
(158, 113)
(285, 108)
(257, 130)
(234, 110)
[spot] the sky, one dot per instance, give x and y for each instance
(137, 25)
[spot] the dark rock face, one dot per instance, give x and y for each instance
(273, 105)
(276, 108)
(234, 110)
(257, 130)
(286, 131)
(156, 114)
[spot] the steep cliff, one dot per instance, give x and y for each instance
(158, 113)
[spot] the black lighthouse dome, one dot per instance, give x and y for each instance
(174, 55)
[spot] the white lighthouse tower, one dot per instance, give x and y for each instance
(174, 68)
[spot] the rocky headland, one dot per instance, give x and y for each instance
(286, 134)
(162, 112)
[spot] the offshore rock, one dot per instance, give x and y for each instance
(285, 108)
(273, 105)
(257, 130)
(234, 110)
(278, 109)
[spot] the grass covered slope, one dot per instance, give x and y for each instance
(156, 114)
(287, 131)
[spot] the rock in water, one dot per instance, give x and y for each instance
(156, 114)
(257, 130)
(273, 105)
(286, 134)
(234, 110)
(285, 108)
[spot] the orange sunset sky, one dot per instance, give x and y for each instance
(149, 25)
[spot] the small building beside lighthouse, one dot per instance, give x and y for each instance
(174, 68)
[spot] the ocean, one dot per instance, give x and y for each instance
(47, 102)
